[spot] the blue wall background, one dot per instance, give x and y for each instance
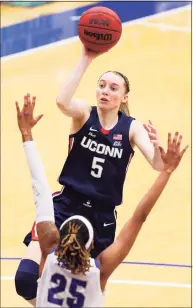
(55, 27)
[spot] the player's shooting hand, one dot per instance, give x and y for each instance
(25, 117)
(174, 154)
(152, 133)
(89, 54)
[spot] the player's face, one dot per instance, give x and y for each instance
(110, 92)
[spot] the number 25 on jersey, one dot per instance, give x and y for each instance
(56, 294)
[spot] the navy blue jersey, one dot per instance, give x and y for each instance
(98, 159)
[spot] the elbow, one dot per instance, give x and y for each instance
(61, 104)
(50, 242)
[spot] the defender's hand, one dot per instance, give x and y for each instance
(173, 155)
(25, 117)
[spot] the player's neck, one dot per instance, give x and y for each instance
(108, 118)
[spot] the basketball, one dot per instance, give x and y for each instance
(99, 29)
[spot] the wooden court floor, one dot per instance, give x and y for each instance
(155, 54)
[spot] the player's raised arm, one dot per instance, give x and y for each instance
(115, 254)
(46, 229)
(75, 108)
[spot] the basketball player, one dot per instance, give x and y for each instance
(69, 277)
(101, 145)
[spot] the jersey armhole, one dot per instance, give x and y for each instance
(131, 119)
(52, 250)
(93, 110)
(97, 263)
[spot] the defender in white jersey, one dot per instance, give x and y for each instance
(68, 277)
(76, 287)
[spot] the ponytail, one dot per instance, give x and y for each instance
(124, 108)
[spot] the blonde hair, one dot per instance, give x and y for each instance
(124, 108)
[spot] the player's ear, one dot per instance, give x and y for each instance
(125, 99)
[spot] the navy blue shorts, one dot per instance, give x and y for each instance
(102, 217)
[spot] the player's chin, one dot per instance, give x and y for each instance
(104, 105)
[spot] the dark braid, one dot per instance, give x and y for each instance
(71, 251)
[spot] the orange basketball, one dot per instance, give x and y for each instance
(99, 29)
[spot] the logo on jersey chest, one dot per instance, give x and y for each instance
(87, 203)
(93, 130)
(100, 148)
(117, 137)
(117, 144)
(92, 135)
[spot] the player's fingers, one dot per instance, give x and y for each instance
(17, 108)
(38, 118)
(33, 102)
(25, 101)
(152, 127)
(150, 122)
(162, 152)
(28, 99)
(146, 127)
(183, 151)
(152, 136)
(174, 141)
(178, 144)
(169, 142)
(28, 106)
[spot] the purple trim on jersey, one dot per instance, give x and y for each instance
(97, 264)
(52, 250)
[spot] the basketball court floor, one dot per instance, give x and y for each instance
(155, 54)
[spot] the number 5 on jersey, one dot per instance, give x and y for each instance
(97, 169)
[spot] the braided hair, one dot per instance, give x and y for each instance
(71, 252)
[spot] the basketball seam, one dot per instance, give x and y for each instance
(102, 13)
(106, 43)
(81, 25)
